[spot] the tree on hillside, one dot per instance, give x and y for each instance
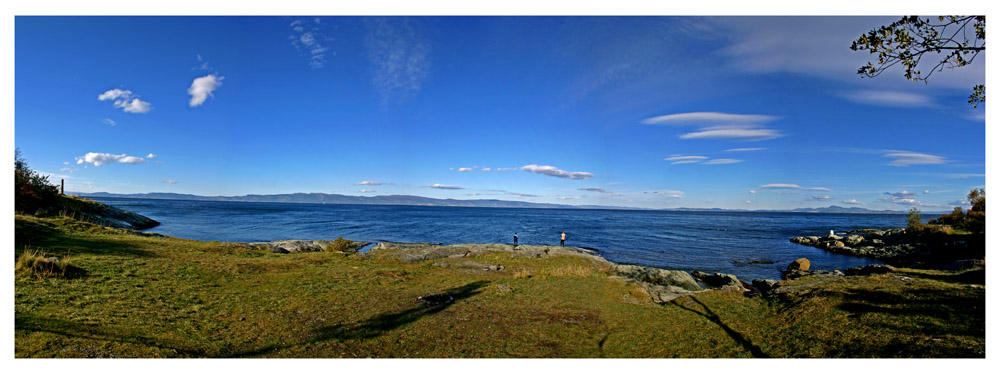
(905, 42)
(32, 190)
(973, 220)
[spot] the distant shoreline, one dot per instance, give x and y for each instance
(409, 200)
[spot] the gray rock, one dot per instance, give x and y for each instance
(853, 240)
(795, 274)
(719, 280)
(668, 278)
(764, 285)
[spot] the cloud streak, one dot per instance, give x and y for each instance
(793, 187)
(724, 126)
(889, 98)
(370, 183)
(444, 187)
(906, 158)
(553, 171)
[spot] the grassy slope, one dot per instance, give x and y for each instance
(166, 297)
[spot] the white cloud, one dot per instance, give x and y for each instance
(852, 202)
(722, 161)
(505, 169)
(444, 187)
(906, 198)
(485, 169)
(709, 119)
(98, 159)
(553, 171)
(820, 198)
(906, 158)
(927, 192)
(399, 56)
(593, 189)
(366, 191)
(752, 191)
(569, 197)
(370, 183)
(748, 202)
(150, 156)
(308, 37)
(109, 121)
(730, 133)
(202, 87)
(466, 169)
(126, 101)
(745, 149)
(170, 182)
(793, 187)
(889, 98)
(678, 159)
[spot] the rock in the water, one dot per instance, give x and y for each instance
(854, 240)
(868, 270)
(801, 264)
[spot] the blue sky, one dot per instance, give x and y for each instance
(653, 112)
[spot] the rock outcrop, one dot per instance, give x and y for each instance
(413, 252)
(296, 246)
(902, 246)
(662, 285)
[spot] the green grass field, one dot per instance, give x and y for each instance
(143, 296)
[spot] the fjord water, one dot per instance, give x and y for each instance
(748, 244)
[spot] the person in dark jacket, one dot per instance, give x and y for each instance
(515, 238)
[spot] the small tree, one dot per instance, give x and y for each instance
(913, 218)
(32, 190)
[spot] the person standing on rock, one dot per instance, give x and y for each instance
(515, 239)
(562, 239)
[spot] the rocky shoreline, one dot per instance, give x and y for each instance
(902, 247)
(662, 285)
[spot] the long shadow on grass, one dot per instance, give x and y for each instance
(29, 322)
(955, 312)
(49, 239)
(711, 316)
(382, 323)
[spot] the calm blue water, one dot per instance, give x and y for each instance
(708, 241)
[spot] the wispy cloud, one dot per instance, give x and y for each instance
(308, 38)
(722, 161)
(399, 56)
(593, 189)
(98, 159)
(748, 202)
(678, 159)
(745, 149)
(709, 119)
(793, 187)
(725, 126)
(553, 171)
(202, 64)
(820, 198)
(109, 121)
(907, 158)
(170, 182)
(852, 202)
(126, 101)
(905, 198)
(514, 193)
(366, 191)
(202, 87)
(370, 183)
(888, 98)
(569, 197)
(752, 192)
(444, 187)
(466, 169)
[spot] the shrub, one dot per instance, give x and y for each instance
(913, 218)
(340, 245)
(37, 264)
(32, 190)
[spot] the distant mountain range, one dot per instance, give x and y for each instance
(322, 198)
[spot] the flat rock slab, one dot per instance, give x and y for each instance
(413, 252)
